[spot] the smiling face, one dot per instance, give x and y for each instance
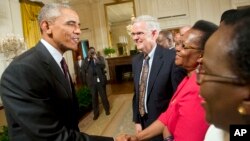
(144, 39)
(221, 99)
(63, 32)
(188, 55)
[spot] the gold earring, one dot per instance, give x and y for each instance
(242, 110)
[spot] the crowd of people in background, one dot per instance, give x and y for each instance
(188, 86)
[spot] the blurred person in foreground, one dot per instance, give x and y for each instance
(225, 87)
(213, 132)
(36, 88)
(152, 96)
(184, 119)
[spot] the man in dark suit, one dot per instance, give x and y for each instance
(37, 92)
(165, 39)
(163, 76)
(79, 71)
(96, 80)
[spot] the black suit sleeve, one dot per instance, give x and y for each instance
(135, 64)
(36, 106)
(135, 113)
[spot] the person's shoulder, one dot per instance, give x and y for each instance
(168, 53)
(214, 133)
(22, 62)
(164, 50)
(24, 56)
(32, 57)
(101, 58)
(137, 56)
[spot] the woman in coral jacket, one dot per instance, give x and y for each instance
(184, 120)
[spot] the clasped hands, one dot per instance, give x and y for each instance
(126, 137)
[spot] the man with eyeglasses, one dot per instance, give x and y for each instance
(224, 76)
(184, 119)
(152, 94)
(36, 88)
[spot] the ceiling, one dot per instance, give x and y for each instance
(120, 12)
(116, 13)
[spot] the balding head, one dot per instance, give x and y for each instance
(165, 39)
(184, 29)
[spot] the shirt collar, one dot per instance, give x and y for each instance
(152, 53)
(53, 51)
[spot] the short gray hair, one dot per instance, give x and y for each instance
(51, 11)
(151, 22)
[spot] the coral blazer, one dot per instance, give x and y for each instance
(185, 117)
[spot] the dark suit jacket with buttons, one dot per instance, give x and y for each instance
(99, 69)
(38, 101)
(164, 78)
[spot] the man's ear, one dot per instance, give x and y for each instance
(45, 26)
(155, 34)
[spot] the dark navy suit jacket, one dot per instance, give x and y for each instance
(164, 78)
(38, 101)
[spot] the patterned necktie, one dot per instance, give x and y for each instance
(66, 72)
(65, 68)
(143, 85)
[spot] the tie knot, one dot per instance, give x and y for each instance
(64, 66)
(63, 62)
(146, 58)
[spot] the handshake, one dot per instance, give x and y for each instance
(126, 137)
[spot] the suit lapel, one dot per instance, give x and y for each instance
(138, 65)
(53, 67)
(155, 68)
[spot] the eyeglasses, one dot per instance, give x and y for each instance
(189, 47)
(178, 43)
(201, 73)
(137, 34)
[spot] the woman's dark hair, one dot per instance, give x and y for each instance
(239, 50)
(207, 28)
(227, 14)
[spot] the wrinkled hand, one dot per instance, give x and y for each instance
(138, 128)
(133, 138)
(122, 137)
(125, 137)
